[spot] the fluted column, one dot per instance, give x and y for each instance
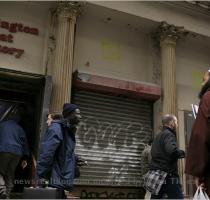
(168, 62)
(168, 36)
(66, 14)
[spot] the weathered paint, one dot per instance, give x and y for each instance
(117, 87)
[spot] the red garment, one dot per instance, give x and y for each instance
(198, 154)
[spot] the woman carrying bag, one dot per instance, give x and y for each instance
(198, 159)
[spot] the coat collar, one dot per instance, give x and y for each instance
(65, 123)
(170, 129)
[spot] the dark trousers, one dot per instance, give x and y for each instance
(171, 188)
(8, 164)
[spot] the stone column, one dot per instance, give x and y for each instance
(168, 62)
(168, 36)
(66, 14)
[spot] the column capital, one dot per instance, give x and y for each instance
(69, 9)
(169, 34)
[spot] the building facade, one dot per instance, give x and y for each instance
(124, 63)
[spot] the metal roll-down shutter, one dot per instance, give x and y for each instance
(111, 137)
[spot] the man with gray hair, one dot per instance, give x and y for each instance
(162, 178)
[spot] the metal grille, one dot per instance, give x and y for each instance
(111, 137)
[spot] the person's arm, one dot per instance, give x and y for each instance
(170, 146)
(146, 159)
(205, 105)
(25, 148)
(143, 157)
(48, 148)
(26, 151)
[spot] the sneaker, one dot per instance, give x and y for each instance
(3, 196)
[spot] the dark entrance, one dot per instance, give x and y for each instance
(32, 91)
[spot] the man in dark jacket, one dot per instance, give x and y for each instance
(165, 155)
(56, 162)
(13, 145)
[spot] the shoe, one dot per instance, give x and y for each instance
(3, 196)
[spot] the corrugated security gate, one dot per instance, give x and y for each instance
(111, 137)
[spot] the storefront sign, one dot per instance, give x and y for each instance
(12, 51)
(9, 38)
(6, 38)
(18, 27)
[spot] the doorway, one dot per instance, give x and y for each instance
(33, 91)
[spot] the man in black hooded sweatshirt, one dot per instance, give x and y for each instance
(56, 163)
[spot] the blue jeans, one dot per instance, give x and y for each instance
(171, 188)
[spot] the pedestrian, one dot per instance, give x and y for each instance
(79, 162)
(162, 178)
(146, 159)
(13, 146)
(53, 116)
(56, 162)
(198, 160)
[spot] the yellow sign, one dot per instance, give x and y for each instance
(197, 79)
(111, 50)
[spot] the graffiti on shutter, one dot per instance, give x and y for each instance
(111, 137)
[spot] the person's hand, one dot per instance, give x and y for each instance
(199, 183)
(181, 154)
(24, 164)
(43, 183)
(81, 162)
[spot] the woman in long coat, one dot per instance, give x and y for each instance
(198, 155)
